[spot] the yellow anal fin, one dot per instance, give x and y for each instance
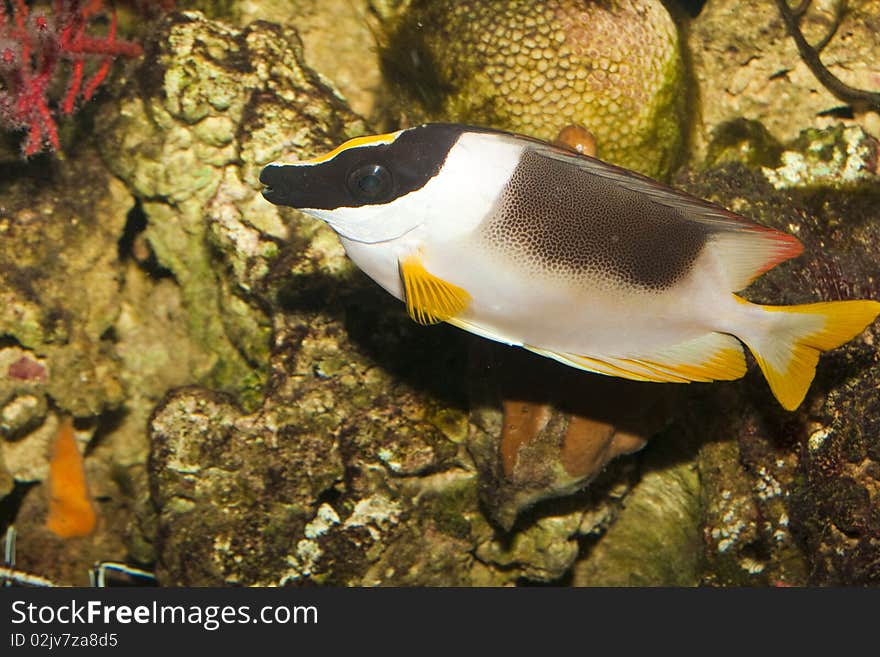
(430, 299)
(712, 357)
(788, 349)
(608, 366)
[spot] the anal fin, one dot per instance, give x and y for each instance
(711, 357)
(430, 299)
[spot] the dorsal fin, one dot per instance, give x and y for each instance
(745, 255)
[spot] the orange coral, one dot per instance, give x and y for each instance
(71, 512)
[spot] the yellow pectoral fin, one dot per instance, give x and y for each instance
(430, 299)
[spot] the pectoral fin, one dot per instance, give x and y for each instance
(430, 299)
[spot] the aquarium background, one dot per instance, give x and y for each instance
(248, 408)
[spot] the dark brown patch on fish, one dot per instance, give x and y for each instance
(566, 221)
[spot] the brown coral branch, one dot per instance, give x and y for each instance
(810, 55)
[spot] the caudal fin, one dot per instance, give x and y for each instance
(788, 348)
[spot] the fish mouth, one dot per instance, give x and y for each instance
(298, 186)
(275, 189)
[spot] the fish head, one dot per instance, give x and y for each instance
(369, 189)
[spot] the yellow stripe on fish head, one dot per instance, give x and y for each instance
(367, 140)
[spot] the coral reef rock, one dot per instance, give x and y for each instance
(747, 66)
(794, 499)
(63, 296)
(534, 67)
(214, 104)
(338, 39)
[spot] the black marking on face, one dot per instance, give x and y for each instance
(372, 174)
(557, 218)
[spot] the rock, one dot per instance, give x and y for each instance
(747, 67)
(59, 276)
(7, 482)
(338, 38)
(214, 105)
(534, 68)
(798, 503)
(338, 41)
(300, 491)
(655, 539)
(836, 157)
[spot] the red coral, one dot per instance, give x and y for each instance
(35, 47)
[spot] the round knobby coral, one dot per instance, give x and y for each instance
(613, 66)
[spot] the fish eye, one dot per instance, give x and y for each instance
(370, 182)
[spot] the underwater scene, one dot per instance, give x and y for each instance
(440, 293)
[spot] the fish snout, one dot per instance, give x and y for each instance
(281, 184)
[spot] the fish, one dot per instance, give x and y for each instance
(535, 245)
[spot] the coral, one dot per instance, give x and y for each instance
(533, 67)
(71, 510)
(34, 46)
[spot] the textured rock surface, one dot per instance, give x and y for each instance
(746, 66)
(655, 540)
(67, 289)
(214, 104)
(109, 301)
(324, 438)
(536, 67)
(795, 500)
(338, 39)
(59, 283)
(838, 157)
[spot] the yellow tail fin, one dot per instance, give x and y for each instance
(788, 350)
